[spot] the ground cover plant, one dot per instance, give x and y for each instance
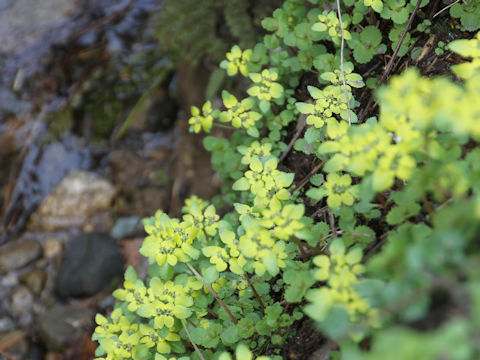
(374, 239)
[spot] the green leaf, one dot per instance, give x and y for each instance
(211, 275)
(399, 214)
(264, 106)
(312, 134)
(246, 327)
(270, 24)
(314, 92)
(241, 184)
(317, 179)
(277, 339)
(270, 262)
(253, 132)
(371, 35)
(130, 274)
(299, 283)
(362, 54)
(271, 42)
(316, 193)
(210, 142)
(243, 353)
(230, 335)
(305, 108)
(337, 323)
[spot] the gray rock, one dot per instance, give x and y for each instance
(42, 170)
(60, 325)
(92, 262)
(79, 195)
(6, 324)
(126, 227)
(19, 254)
(25, 22)
(21, 301)
(34, 280)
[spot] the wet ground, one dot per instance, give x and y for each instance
(89, 144)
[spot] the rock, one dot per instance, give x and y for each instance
(92, 262)
(21, 301)
(126, 227)
(34, 280)
(52, 247)
(61, 324)
(8, 281)
(43, 168)
(6, 324)
(100, 221)
(79, 195)
(19, 254)
(26, 22)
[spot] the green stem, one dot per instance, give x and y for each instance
(220, 301)
(197, 350)
(224, 126)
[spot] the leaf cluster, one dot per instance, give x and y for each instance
(395, 200)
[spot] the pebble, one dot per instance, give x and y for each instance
(126, 227)
(61, 324)
(79, 195)
(6, 324)
(19, 254)
(92, 262)
(34, 280)
(21, 301)
(52, 247)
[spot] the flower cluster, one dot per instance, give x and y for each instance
(201, 119)
(237, 61)
(340, 271)
(265, 86)
(268, 184)
(328, 21)
(239, 113)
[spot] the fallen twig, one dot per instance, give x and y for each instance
(292, 142)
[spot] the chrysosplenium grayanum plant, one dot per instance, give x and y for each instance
(382, 227)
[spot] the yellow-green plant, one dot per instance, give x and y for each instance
(362, 242)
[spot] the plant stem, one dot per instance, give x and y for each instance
(224, 126)
(256, 293)
(292, 142)
(313, 248)
(342, 68)
(390, 63)
(220, 301)
(302, 250)
(197, 350)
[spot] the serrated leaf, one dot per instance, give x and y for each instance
(399, 214)
(371, 35)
